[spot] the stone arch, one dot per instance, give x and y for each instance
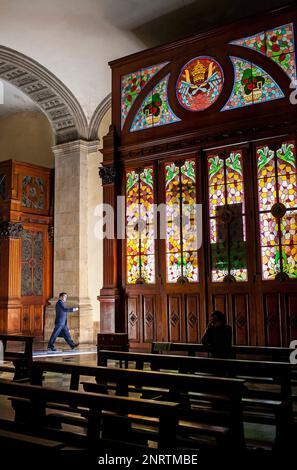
(97, 117)
(52, 96)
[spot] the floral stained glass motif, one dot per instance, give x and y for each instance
(132, 84)
(181, 222)
(277, 44)
(140, 228)
(252, 85)
(227, 217)
(277, 197)
(155, 109)
(199, 83)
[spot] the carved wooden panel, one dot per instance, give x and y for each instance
(272, 319)
(292, 317)
(133, 319)
(26, 323)
(241, 319)
(174, 318)
(220, 303)
(37, 319)
(192, 318)
(148, 318)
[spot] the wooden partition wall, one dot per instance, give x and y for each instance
(211, 120)
(26, 244)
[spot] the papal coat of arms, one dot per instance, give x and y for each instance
(199, 83)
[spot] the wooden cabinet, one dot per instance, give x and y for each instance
(26, 237)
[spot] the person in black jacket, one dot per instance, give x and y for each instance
(217, 338)
(61, 328)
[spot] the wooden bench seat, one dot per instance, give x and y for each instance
(156, 385)
(96, 404)
(257, 372)
(21, 360)
(19, 440)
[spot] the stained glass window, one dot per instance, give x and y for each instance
(155, 109)
(277, 44)
(181, 222)
(132, 84)
(252, 85)
(277, 196)
(32, 263)
(140, 228)
(227, 217)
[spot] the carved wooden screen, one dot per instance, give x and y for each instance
(209, 125)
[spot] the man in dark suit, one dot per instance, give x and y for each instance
(61, 328)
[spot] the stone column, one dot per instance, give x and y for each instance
(71, 237)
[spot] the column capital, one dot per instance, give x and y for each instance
(76, 146)
(107, 174)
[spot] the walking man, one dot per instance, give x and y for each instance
(61, 328)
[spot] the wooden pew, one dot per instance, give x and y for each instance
(258, 404)
(94, 405)
(256, 371)
(275, 354)
(227, 427)
(22, 360)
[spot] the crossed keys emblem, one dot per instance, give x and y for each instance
(188, 90)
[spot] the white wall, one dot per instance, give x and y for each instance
(72, 38)
(27, 137)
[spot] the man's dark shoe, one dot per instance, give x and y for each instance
(51, 348)
(74, 345)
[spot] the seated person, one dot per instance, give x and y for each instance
(217, 338)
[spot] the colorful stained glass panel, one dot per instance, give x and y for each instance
(215, 170)
(227, 220)
(132, 84)
(286, 159)
(234, 167)
(265, 161)
(270, 262)
(133, 269)
(235, 193)
(217, 275)
(199, 83)
(140, 227)
(255, 42)
(181, 222)
(216, 198)
(287, 189)
(190, 266)
(289, 228)
(266, 193)
(155, 109)
(174, 269)
(290, 261)
(277, 44)
(251, 85)
(148, 268)
(240, 275)
(268, 230)
(280, 40)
